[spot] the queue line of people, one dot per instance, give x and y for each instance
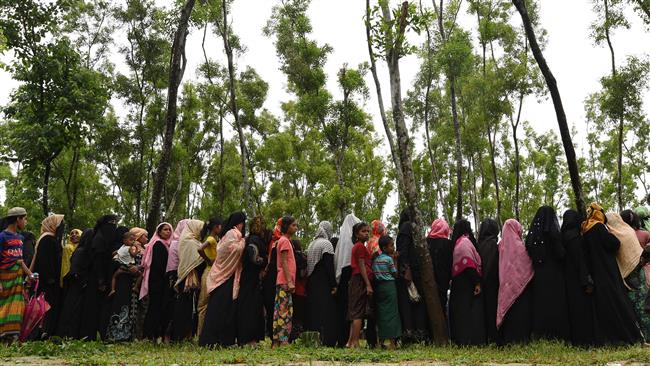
(584, 281)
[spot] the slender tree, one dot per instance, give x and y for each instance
(551, 83)
(178, 63)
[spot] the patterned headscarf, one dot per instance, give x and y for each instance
(321, 245)
(378, 230)
(595, 215)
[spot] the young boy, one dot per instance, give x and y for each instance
(383, 267)
(125, 256)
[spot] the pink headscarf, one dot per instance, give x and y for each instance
(439, 229)
(148, 256)
(172, 259)
(465, 256)
(228, 262)
(515, 268)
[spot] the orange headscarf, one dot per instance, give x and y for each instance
(595, 215)
(277, 234)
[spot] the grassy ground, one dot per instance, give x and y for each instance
(146, 353)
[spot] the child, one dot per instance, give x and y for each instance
(383, 267)
(285, 283)
(125, 256)
(360, 287)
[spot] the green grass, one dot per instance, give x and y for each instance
(146, 353)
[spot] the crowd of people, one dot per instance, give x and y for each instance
(232, 283)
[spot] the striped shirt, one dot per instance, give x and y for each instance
(11, 249)
(384, 268)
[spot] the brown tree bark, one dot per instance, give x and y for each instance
(437, 321)
(557, 103)
(177, 69)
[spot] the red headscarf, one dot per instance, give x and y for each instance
(277, 234)
(148, 256)
(439, 229)
(378, 229)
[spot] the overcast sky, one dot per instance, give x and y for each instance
(574, 59)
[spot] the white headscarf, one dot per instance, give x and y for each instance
(321, 245)
(345, 244)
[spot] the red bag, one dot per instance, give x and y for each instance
(34, 313)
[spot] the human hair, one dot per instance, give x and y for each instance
(12, 220)
(631, 218)
(286, 223)
(356, 229)
(384, 242)
(209, 225)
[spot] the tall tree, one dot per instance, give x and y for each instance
(178, 63)
(551, 83)
(392, 47)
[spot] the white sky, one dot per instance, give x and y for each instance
(576, 62)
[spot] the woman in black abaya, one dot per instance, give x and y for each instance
(321, 286)
(250, 303)
(466, 303)
(544, 246)
(615, 319)
(579, 283)
(489, 252)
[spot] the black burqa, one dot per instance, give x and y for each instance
(489, 252)
(155, 321)
(466, 310)
(94, 311)
(544, 246)
(250, 301)
(122, 306)
(441, 250)
(74, 287)
(268, 290)
(578, 281)
(47, 263)
(413, 314)
(615, 318)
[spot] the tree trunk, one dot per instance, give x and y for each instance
(380, 101)
(437, 321)
(557, 102)
(225, 34)
(515, 126)
(492, 136)
(459, 154)
(177, 69)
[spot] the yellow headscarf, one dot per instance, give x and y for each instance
(68, 249)
(595, 215)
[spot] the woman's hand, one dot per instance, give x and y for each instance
(292, 287)
(369, 290)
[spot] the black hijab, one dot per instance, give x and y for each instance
(463, 227)
(489, 230)
(404, 226)
(105, 233)
(571, 221)
(235, 219)
(80, 260)
(543, 231)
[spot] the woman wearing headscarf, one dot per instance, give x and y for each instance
(413, 313)
(488, 234)
(171, 275)
(579, 283)
(378, 230)
(250, 312)
(629, 253)
(220, 328)
(513, 313)
(321, 286)
(466, 303)
(544, 246)
(630, 262)
(47, 263)
(68, 250)
(207, 251)
(440, 250)
(188, 281)
(154, 262)
(270, 276)
(123, 303)
(343, 271)
(74, 287)
(615, 319)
